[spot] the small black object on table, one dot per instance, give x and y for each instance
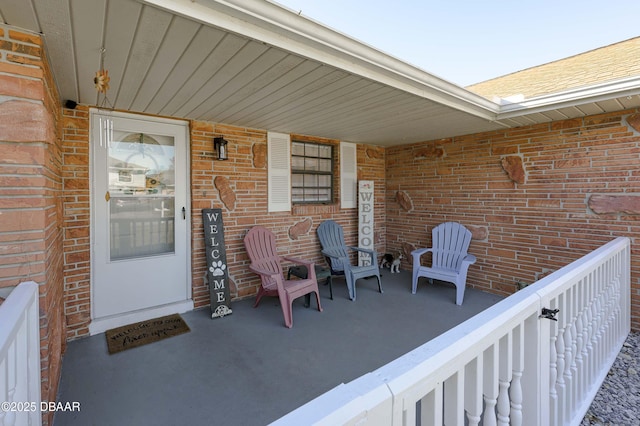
(300, 271)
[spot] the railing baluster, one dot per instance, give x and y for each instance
(473, 391)
(454, 399)
(588, 348)
(504, 379)
(595, 333)
(579, 355)
(569, 344)
(431, 409)
(599, 340)
(577, 332)
(515, 391)
(490, 386)
(560, 383)
(554, 403)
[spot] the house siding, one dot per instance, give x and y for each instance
(31, 228)
(522, 231)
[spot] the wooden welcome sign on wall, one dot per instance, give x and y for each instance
(365, 223)
(217, 272)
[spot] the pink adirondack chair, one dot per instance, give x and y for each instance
(261, 247)
(450, 260)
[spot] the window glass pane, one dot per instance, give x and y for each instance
(297, 163)
(141, 226)
(297, 194)
(310, 180)
(325, 165)
(311, 194)
(141, 164)
(324, 180)
(324, 194)
(324, 151)
(311, 164)
(311, 150)
(297, 179)
(297, 148)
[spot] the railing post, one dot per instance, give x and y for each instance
(538, 378)
(20, 357)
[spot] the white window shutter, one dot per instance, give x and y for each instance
(348, 175)
(279, 172)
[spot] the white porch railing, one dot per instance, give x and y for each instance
(508, 364)
(20, 357)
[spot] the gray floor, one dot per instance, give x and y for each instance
(247, 368)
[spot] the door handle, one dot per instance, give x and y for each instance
(184, 214)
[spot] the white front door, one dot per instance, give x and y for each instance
(140, 219)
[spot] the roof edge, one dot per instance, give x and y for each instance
(281, 27)
(573, 97)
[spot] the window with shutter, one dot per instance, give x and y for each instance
(348, 175)
(279, 172)
(311, 172)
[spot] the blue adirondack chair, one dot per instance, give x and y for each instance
(450, 260)
(336, 253)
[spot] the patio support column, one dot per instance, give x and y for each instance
(30, 190)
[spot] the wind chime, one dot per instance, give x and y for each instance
(101, 80)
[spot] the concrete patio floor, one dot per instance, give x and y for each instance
(247, 368)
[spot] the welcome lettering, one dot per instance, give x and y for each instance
(217, 272)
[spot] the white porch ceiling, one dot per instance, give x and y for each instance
(252, 63)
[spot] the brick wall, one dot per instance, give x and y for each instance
(245, 176)
(529, 226)
(532, 228)
(76, 214)
(238, 186)
(30, 190)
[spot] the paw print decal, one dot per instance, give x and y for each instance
(217, 268)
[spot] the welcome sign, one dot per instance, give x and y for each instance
(365, 224)
(217, 272)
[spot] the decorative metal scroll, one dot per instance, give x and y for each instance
(217, 272)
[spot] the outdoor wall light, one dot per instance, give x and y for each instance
(220, 146)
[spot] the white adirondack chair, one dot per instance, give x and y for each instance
(450, 260)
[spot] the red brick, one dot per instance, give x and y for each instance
(615, 203)
(22, 121)
(19, 87)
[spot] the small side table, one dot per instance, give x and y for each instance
(300, 271)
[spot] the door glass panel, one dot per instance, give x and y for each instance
(141, 189)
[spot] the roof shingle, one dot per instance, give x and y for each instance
(613, 62)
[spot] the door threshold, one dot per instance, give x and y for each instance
(100, 325)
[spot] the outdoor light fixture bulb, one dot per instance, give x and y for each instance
(220, 146)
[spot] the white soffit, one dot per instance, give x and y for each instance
(256, 64)
(278, 26)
